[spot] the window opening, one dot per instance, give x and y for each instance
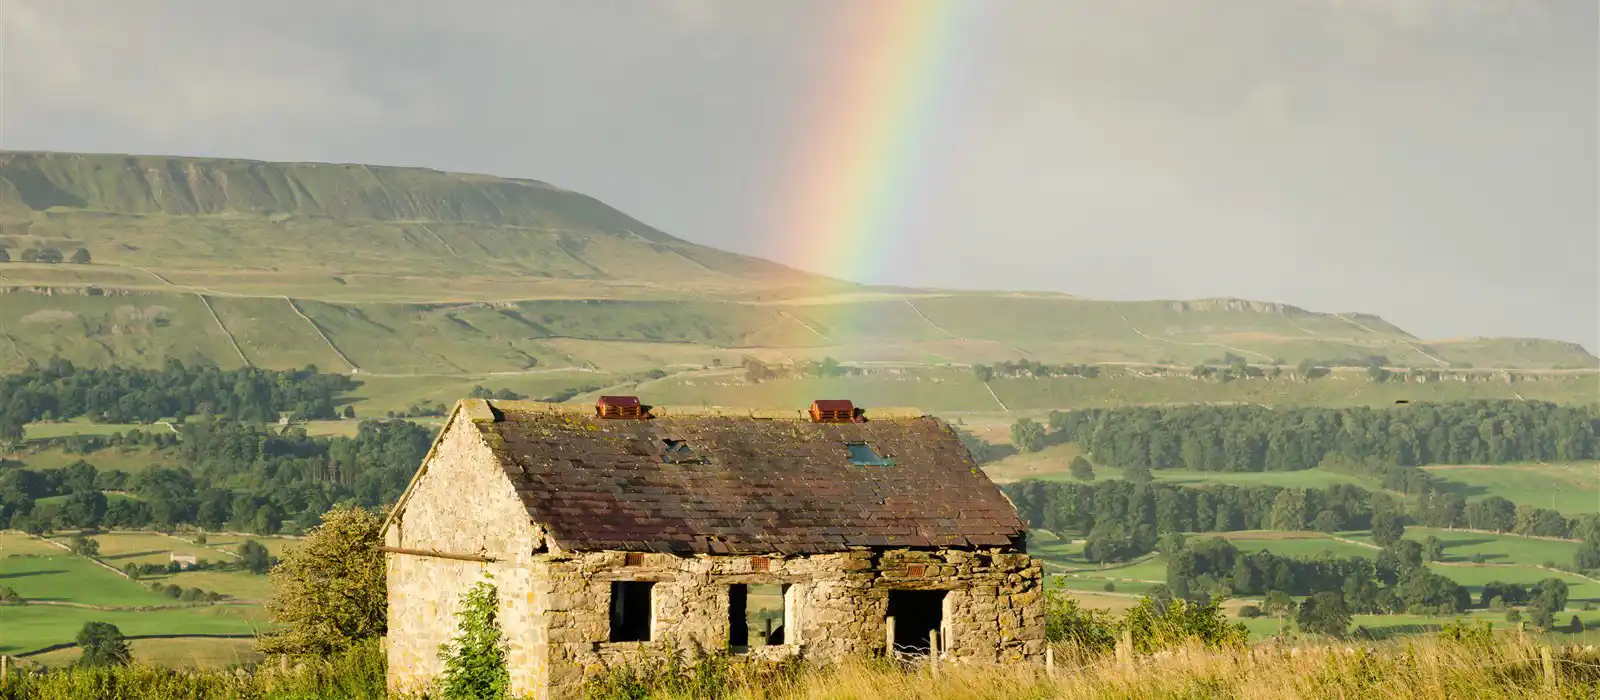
(862, 454)
(630, 611)
(679, 452)
(916, 615)
(757, 615)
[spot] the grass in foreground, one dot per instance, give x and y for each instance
(1505, 666)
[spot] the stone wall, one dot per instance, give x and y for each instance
(837, 605)
(462, 504)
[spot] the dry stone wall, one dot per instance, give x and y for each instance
(837, 605)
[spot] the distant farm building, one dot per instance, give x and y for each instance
(625, 533)
(185, 561)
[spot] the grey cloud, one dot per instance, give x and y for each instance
(1433, 161)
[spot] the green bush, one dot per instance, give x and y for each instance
(1250, 612)
(1065, 621)
(475, 661)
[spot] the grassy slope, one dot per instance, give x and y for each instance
(413, 271)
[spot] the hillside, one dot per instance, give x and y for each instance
(408, 271)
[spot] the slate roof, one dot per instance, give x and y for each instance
(751, 483)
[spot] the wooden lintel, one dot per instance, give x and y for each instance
(440, 555)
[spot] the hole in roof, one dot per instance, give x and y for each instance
(862, 454)
(679, 452)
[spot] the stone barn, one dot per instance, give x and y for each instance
(620, 533)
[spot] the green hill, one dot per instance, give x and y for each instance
(408, 272)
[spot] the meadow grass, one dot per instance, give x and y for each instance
(33, 627)
(1570, 488)
(179, 652)
(122, 548)
(68, 578)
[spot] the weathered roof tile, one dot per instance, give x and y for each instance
(761, 485)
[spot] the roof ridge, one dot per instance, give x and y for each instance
(489, 410)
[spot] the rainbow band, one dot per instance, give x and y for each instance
(865, 152)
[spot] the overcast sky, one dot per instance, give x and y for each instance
(1431, 161)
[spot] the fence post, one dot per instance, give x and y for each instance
(1050, 661)
(1549, 667)
(888, 629)
(933, 651)
(5, 669)
(1125, 648)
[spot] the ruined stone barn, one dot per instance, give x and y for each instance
(620, 533)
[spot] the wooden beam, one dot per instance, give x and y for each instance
(440, 555)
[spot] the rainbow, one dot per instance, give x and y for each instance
(862, 157)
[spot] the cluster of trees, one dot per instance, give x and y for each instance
(79, 444)
(1124, 519)
(756, 371)
(1029, 369)
(1543, 601)
(1395, 582)
(59, 390)
(1254, 438)
(232, 475)
(187, 595)
(48, 255)
(480, 392)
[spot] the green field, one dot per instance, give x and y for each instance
(122, 548)
(1570, 488)
(182, 652)
(68, 578)
(31, 627)
(43, 573)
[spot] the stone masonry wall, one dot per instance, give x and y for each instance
(995, 605)
(463, 504)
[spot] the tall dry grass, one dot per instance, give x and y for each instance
(1505, 666)
(1508, 668)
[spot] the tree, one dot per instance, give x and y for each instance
(1433, 548)
(30, 255)
(330, 591)
(1588, 556)
(1328, 521)
(1081, 469)
(103, 645)
(1575, 625)
(1387, 527)
(84, 509)
(1492, 513)
(1138, 473)
(1027, 435)
(1288, 510)
(349, 411)
(80, 256)
(475, 660)
(9, 596)
(48, 255)
(1278, 604)
(254, 557)
(1324, 613)
(85, 546)
(1401, 555)
(1305, 368)
(984, 373)
(4, 255)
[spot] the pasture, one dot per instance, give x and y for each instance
(177, 652)
(67, 578)
(1570, 488)
(33, 627)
